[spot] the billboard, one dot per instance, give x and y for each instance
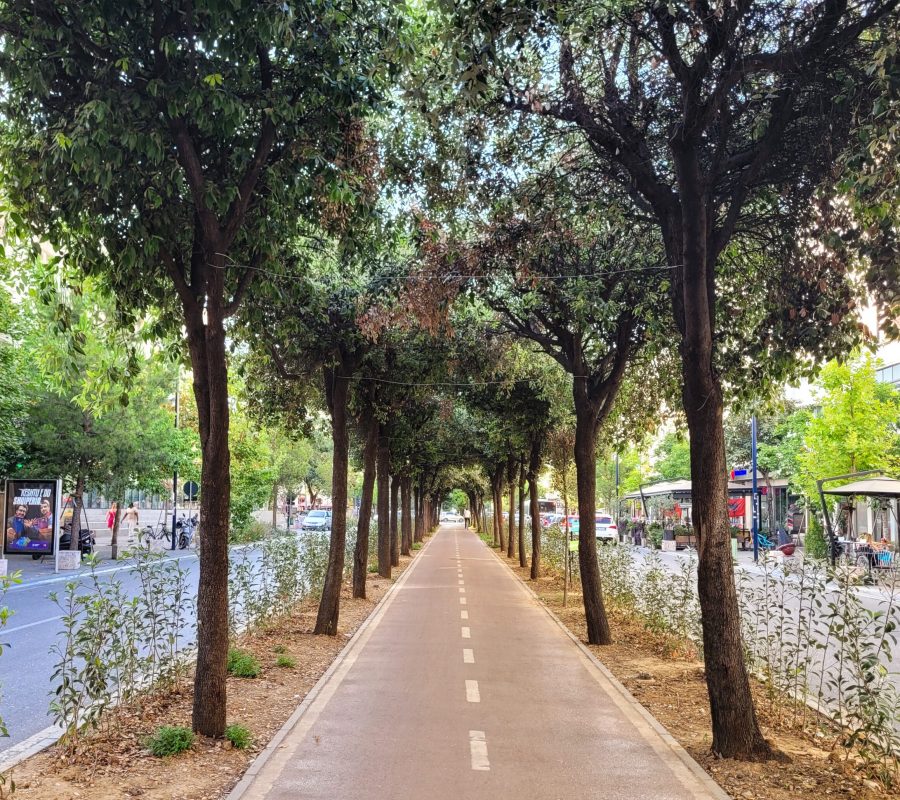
(30, 517)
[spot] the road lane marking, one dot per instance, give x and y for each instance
(30, 625)
(478, 751)
(461, 583)
(466, 633)
(468, 656)
(463, 601)
(472, 693)
(463, 614)
(461, 590)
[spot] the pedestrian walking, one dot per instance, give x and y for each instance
(467, 516)
(111, 516)
(131, 520)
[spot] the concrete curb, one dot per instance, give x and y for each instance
(628, 701)
(277, 741)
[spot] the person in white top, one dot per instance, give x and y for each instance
(130, 518)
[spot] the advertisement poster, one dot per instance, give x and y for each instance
(30, 518)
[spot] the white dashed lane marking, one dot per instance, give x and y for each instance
(466, 633)
(463, 614)
(468, 656)
(478, 751)
(462, 601)
(472, 693)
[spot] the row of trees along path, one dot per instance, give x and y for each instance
(238, 169)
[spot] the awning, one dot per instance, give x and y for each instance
(870, 487)
(681, 490)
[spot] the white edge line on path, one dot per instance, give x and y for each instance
(277, 753)
(630, 706)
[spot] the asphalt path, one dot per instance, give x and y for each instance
(462, 685)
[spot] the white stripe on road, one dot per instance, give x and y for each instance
(463, 614)
(463, 601)
(468, 656)
(466, 633)
(30, 625)
(461, 590)
(461, 583)
(478, 751)
(472, 693)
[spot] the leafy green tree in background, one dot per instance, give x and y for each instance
(673, 458)
(856, 427)
(16, 380)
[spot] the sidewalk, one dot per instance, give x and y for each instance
(462, 686)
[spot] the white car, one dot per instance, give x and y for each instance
(607, 530)
(317, 520)
(452, 517)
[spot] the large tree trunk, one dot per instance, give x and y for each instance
(206, 343)
(395, 528)
(585, 469)
(523, 553)
(361, 550)
(337, 391)
(511, 480)
(384, 505)
(534, 466)
(736, 733)
(406, 532)
(114, 541)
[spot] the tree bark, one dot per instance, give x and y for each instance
(337, 391)
(384, 505)
(206, 343)
(361, 550)
(586, 477)
(406, 532)
(420, 513)
(523, 553)
(395, 527)
(534, 466)
(736, 732)
(511, 480)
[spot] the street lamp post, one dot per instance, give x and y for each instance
(754, 490)
(175, 473)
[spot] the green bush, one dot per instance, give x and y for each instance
(242, 664)
(655, 535)
(239, 736)
(288, 662)
(252, 531)
(417, 546)
(815, 542)
(170, 740)
(279, 648)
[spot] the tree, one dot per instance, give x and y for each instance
(168, 146)
(15, 380)
(857, 427)
(673, 458)
(721, 123)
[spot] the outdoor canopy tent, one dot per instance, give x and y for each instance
(869, 487)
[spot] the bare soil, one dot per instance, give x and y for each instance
(666, 677)
(114, 763)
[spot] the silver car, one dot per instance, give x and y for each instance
(317, 520)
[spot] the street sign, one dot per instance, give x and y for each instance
(190, 491)
(739, 473)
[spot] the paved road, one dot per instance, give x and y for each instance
(461, 685)
(26, 666)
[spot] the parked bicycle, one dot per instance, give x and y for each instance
(154, 533)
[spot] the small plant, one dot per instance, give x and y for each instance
(170, 740)
(288, 662)
(242, 664)
(373, 568)
(279, 648)
(417, 546)
(239, 736)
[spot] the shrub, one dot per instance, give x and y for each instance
(815, 543)
(417, 546)
(288, 662)
(252, 531)
(654, 535)
(242, 664)
(170, 740)
(279, 648)
(239, 736)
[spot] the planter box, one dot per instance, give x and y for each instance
(685, 541)
(69, 559)
(669, 545)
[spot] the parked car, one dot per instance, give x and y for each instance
(548, 520)
(606, 528)
(452, 517)
(317, 520)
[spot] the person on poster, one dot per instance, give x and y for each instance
(43, 525)
(17, 527)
